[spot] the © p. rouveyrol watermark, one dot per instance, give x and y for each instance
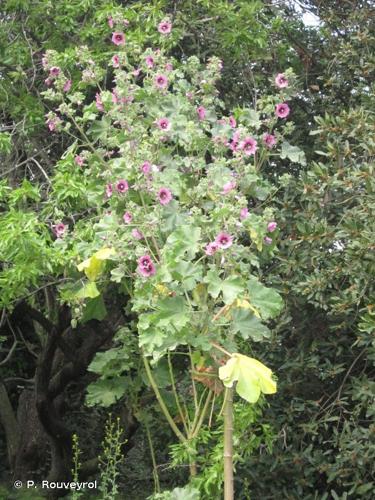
(56, 485)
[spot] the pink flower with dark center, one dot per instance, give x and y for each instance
(127, 217)
(118, 38)
(165, 27)
(269, 140)
(122, 186)
(145, 266)
(164, 196)
(163, 124)
(59, 229)
(201, 110)
(67, 86)
(227, 188)
(110, 22)
(281, 81)
(224, 240)
(149, 61)
(99, 103)
(161, 81)
(233, 145)
(267, 240)
(282, 110)
(249, 146)
(232, 122)
(146, 167)
(244, 213)
(271, 226)
(169, 67)
(116, 61)
(108, 190)
(54, 71)
(211, 248)
(136, 233)
(79, 160)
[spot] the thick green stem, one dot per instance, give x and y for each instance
(162, 405)
(228, 446)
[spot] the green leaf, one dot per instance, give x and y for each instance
(266, 300)
(251, 375)
(294, 153)
(105, 392)
(184, 241)
(95, 309)
(232, 287)
(89, 290)
(248, 325)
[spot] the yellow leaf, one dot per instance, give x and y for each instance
(245, 304)
(94, 265)
(251, 375)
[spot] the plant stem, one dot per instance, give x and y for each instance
(228, 446)
(175, 393)
(163, 406)
(154, 465)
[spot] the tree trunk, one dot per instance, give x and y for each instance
(9, 422)
(228, 446)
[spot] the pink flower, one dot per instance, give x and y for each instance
(149, 61)
(146, 167)
(79, 160)
(59, 229)
(224, 240)
(161, 81)
(118, 38)
(52, 123)
(282, 110)
(281, 81)
(169, 67)
(54, 71)
(145, 266)
(269, 140)
(67, 86)
(99, 103)
(116, 61)
(249, 146)
(165, 27)
(136, 233)
(108, 190)
(267, 240)
(163, 124)
(271, 226)
(201, 112)
(122, 186)
(228, 187)
(164, 196)
(232, 122)
(48, 81)
(244, 213)
(233, 145)
(211, 248)
(110, 22)
(136, 72)
(127, 217)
